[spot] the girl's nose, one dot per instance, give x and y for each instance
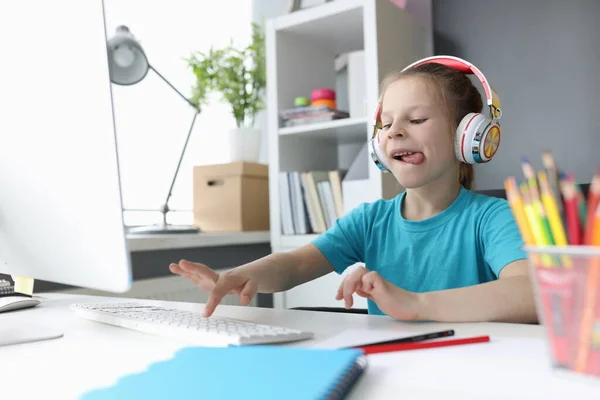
(396, 133)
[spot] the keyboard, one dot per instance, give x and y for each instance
(187, 326)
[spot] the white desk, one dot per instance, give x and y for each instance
(513, 365)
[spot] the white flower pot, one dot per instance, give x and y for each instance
(244, 144)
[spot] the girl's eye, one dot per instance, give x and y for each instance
(418, 121)
(387, 126)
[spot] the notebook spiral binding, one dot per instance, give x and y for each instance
(340, 391)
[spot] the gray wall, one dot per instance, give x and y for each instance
(542, 57)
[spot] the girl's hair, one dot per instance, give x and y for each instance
(457, 93)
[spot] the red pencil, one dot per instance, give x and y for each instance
(384, 348)
(574, 229)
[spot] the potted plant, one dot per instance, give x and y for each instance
(238, 74)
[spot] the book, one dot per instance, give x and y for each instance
(243, 372)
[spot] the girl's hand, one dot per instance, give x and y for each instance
(392, 300)
(217, 284)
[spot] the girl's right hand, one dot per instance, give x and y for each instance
(217, 284)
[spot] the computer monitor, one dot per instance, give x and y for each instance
(61, 215)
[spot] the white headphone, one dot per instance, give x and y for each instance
(477, 136)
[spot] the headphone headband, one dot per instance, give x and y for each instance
(467, 68)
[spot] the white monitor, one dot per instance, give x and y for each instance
(61, 214)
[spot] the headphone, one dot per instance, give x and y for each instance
(477, 136)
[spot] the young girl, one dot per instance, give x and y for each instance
(437, 251)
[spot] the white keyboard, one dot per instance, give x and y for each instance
(186, 325)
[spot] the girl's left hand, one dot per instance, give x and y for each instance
(392, 300)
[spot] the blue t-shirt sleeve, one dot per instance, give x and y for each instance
(344, 243)
(502, 240)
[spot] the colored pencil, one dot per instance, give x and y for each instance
(515, 202)
(536, 201)
(553, 178)
(537, 228)
(385, 348)
(590, 303)
(581, 202)
(571, 211)
(593, 201)
(550, 205)
(412, 339)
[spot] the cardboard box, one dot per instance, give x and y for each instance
(231, 197)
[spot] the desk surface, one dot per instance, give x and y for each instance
(144, 242)
(513, 365)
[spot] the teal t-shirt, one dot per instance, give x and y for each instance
(466, 244)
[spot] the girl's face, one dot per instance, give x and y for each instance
(416, 137)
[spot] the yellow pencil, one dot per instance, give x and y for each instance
(516, 204)
(539, 233)
(549, 202)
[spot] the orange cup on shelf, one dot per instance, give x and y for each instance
(324, 102)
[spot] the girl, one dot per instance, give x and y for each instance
(437, 251)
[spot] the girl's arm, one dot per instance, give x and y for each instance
(278, 272)
(508, 299)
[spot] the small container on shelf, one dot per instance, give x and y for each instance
(322, 94)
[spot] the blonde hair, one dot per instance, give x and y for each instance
(458, 94)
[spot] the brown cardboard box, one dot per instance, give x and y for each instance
(231, 197)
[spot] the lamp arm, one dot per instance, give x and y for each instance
(165, 208)
(173, 87)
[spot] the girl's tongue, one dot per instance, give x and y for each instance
(414, 158)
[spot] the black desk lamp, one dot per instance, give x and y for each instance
(128, 65)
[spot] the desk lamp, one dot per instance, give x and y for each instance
(128, 65)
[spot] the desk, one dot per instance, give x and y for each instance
(93, 354)
(148, 242)
(152, 254)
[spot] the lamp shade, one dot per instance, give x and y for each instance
(126, 59)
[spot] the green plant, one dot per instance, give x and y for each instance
(238, 74)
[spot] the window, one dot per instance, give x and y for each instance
(151, 120)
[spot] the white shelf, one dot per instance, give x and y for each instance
(301, 51)
(295, 241)
(347, 130)
(337, 26)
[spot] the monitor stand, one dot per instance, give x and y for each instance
(20, 332)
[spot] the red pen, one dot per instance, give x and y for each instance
(384, 348)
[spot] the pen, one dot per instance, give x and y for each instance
(410, 339)
(422, 345)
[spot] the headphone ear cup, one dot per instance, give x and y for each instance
(377, 154)
(490, 142)
(467, 142)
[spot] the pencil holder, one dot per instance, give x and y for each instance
(566, 283)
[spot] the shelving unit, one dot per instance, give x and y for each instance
(301, 49)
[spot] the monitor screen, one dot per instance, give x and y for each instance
(61, 214)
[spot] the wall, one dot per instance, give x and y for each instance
(542, 58)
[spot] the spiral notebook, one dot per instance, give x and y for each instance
(243, 372)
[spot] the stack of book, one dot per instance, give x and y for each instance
(310, 114)
(310, 201)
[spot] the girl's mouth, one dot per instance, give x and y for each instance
(409, 157)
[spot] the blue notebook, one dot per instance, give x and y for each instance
(243, 372)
